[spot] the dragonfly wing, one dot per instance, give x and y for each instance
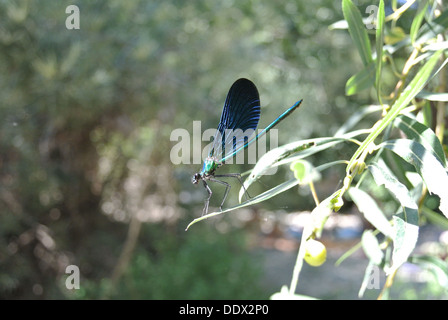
(239, 118)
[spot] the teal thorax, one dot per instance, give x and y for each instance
(208, 169)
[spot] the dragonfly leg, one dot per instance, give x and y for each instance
(225, 193)
(238, 176)
(207, 201)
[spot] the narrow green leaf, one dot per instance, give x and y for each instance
(426, 114)
(262, 197)
(371, 211)
(416, 23)
(383, 176)
(431, 29)
(268, 163)
(362, 80)
(315, 224)
(409, 93)
(379, 48)
(420, 133)
(319, 216)
(367, 280)
(405, 225)
(426, 164)
(291, 152)
(433, 96)
(357, 31)
(371, 247)
(405, 238)
(435, 218)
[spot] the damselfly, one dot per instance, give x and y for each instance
(240, 115)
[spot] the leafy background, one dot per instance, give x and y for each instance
(86, 118)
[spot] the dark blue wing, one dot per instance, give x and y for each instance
(239, 118)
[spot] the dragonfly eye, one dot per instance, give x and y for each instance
(195, 179)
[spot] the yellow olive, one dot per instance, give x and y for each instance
(315, 253)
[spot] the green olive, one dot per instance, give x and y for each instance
(315, 253)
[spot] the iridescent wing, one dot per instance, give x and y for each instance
(239, 119)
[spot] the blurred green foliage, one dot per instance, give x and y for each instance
(85, 123)
(86, 117)
(200, 266)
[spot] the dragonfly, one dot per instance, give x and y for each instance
(240, 115)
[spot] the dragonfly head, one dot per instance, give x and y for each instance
(196, 177)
